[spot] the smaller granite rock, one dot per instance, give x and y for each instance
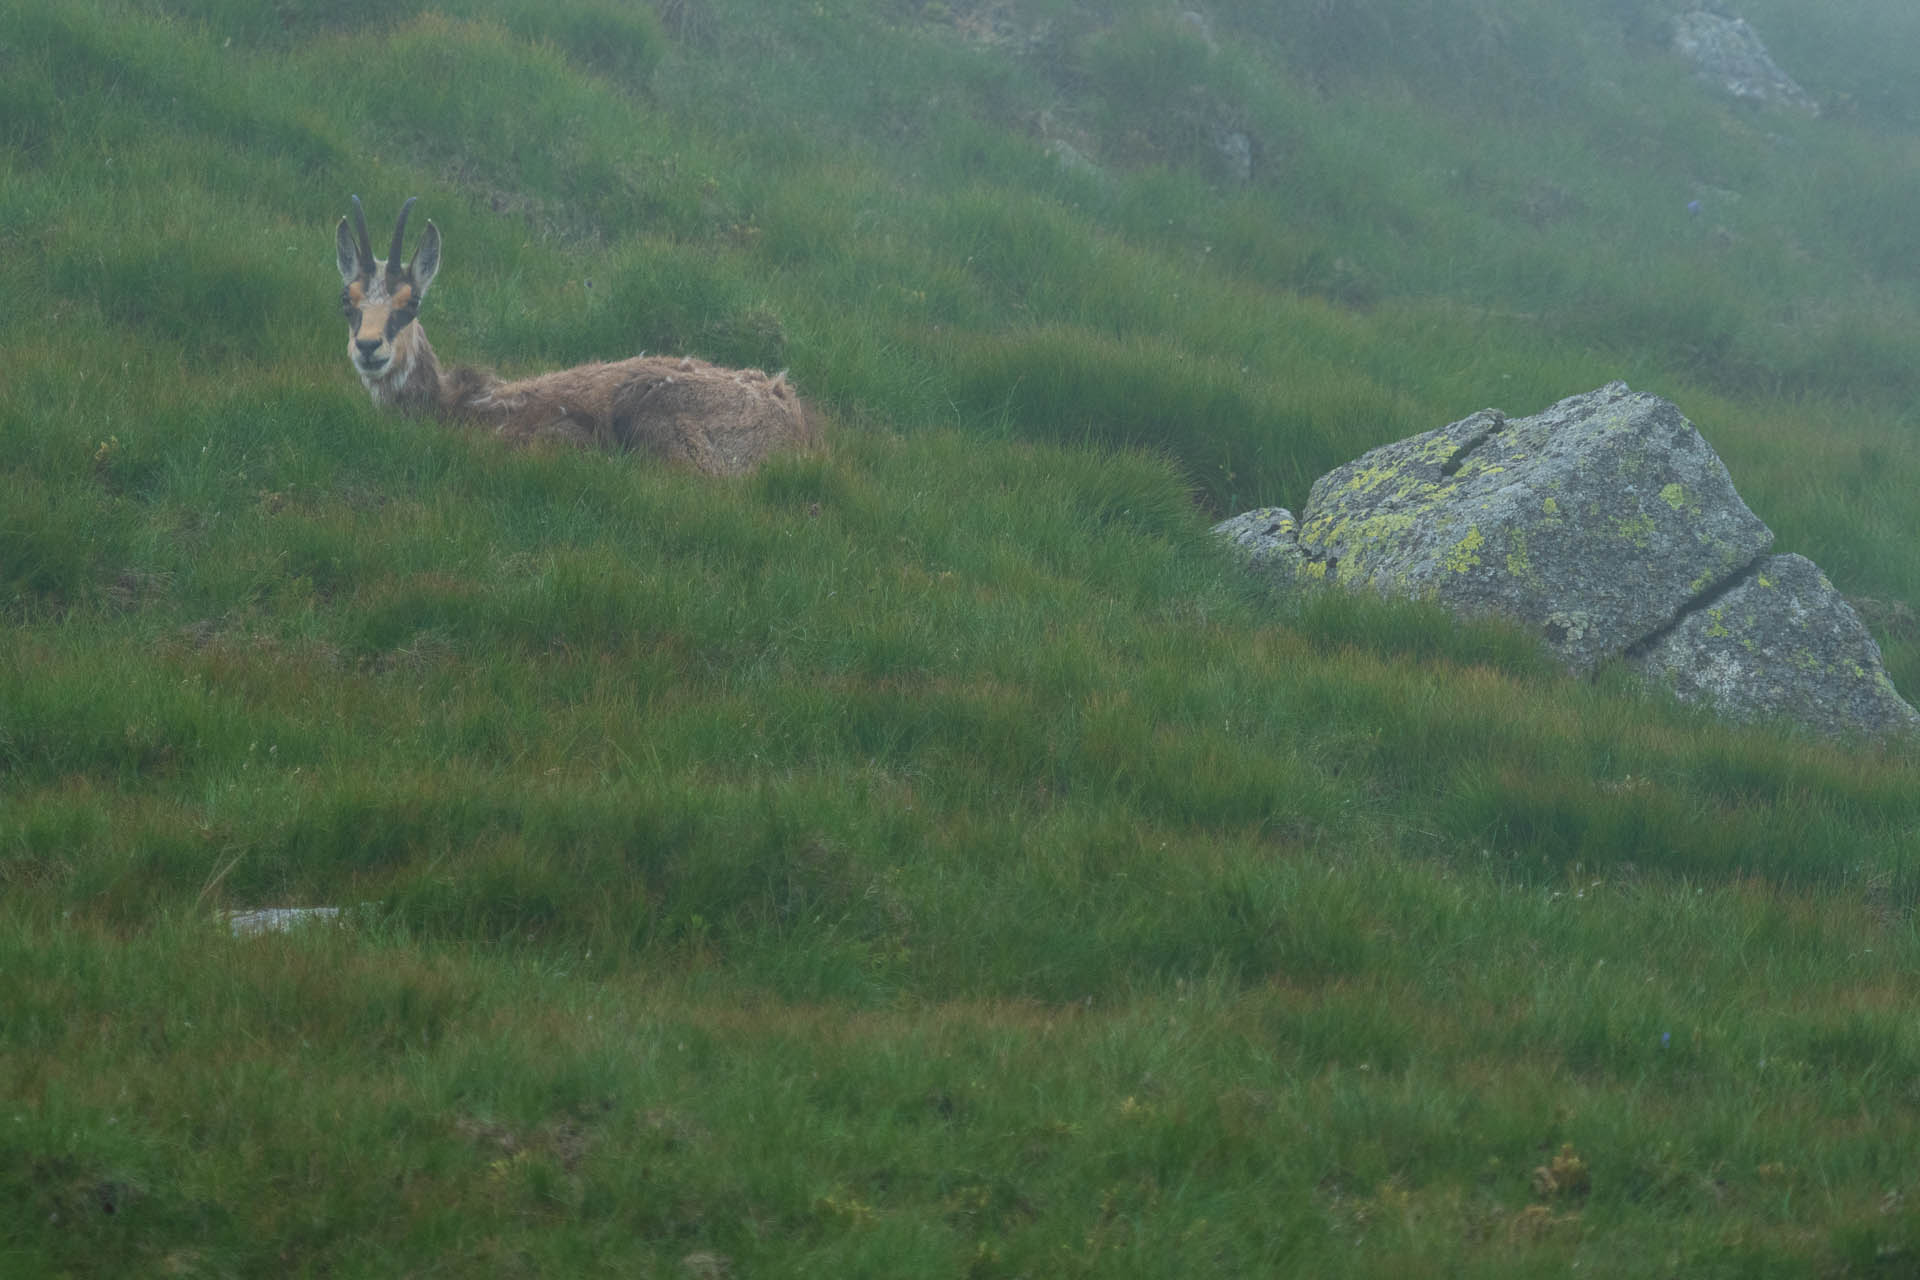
(1074, 160)
(244, 924)
(1269, 538)
(1781, 643)
(1727, 52)
(1235, 149)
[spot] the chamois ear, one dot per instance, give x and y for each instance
(426, 260)
(348, 252)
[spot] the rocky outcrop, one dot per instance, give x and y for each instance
(1596, 521)
(1728, 54)
(1608, 525)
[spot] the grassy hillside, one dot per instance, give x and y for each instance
(929, 857)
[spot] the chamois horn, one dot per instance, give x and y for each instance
(394, 272)
(366, 245)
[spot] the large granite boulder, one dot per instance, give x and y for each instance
(1730, 55)
(1597, 521)
(1608, 525)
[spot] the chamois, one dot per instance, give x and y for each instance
(721, 421)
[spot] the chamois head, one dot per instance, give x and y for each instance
(382, 298)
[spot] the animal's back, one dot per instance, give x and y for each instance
(721, 421)
(679, 409)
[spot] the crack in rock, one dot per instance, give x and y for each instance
(1707, 599)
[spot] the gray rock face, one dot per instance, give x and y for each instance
(244, 924)
(1597, 521)
(1781, 643)
(1728, 53)
(1235, 150)
(1269, 538)
(1609, 525)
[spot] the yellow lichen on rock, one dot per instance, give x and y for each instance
(1519, 564)
(1466, 552)
(1637, 529)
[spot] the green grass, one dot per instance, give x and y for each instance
(930, 856)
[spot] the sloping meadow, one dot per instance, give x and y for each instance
(929, 856)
